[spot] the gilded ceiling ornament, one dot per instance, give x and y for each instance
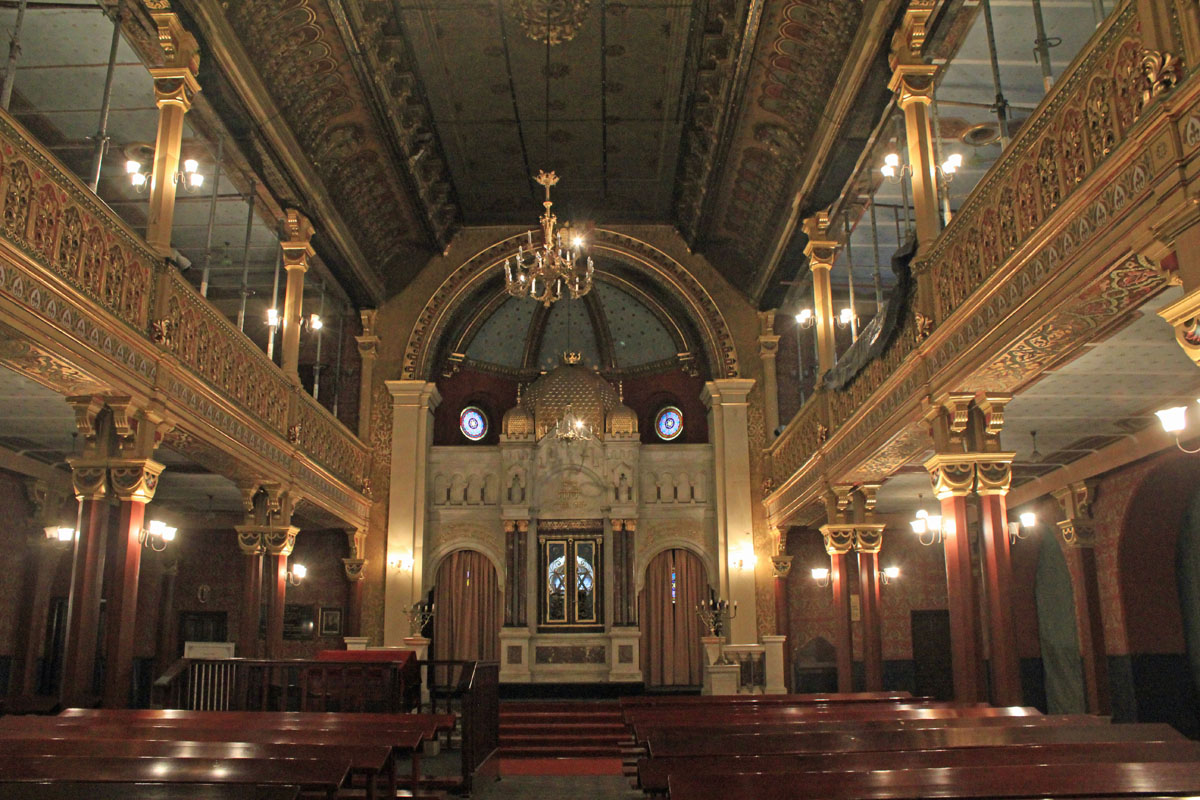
(550, 21)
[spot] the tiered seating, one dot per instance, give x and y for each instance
(198, 754)
(879, 746)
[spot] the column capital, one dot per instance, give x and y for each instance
(822, 247)
(295, 237)
(414, 393)
(948, 416)
(134, 479)
(250, 539)
(993, 473)
(278, 540)
(175, 81)
(913, 83)
(354, 568)
(768, 346)
(839, 539)
(726, 392)
(1078, 528)
(953, 475)
(782, 565)
(868, 538)
(89, 478)
(368, 347)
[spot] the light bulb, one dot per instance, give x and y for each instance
(891, 160)
(919, 526)
(891, 573)
(845, 316)
(1028, 519)
(577, 241)
(190, 165)
(1173, 419)
(315, 322)
(299, 570)
(934, 521)
(273, 317)
(196, 180)
(952, 163)
(138, 178)
(804, 317)
(133, 166)
(65, 534)
(820, 573)
(888, 171)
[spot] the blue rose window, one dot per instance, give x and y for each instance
(473, 423)
(669, 423)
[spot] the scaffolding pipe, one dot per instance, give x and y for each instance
(14, 51)
(337, 369)
(246, 257)
(875, 247)
(316, 392)
(274, 328)
(212, 217)
(850, 273)
(1042, 45)
(1098, 12)
(100, 146)
(1001, 106)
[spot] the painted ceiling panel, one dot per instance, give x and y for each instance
(638, 336)
(568, 330)
(501, 340)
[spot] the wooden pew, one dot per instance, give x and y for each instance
(368, 760)
(314, 775)
(654, 773)
(430, 724)
(1027, 781)
(145, 791)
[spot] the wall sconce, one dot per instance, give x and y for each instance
(951, 166)
(156, 535)
(821, 576)
(1174, 420)
(931, 528)
(62, 534)
(313, 322)
(297, 574)
(1021, 529)
(845, 317)
(273, 317)
(893, 170)
(189, 176)
(401, 561)
(744, 558)
(889, 574)
(804, 318)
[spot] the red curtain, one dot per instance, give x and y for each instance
(671, 650)
(466, 622)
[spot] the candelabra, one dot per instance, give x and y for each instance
(419, 615)
(555, 267)
(714, 613)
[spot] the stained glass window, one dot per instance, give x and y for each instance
(473, 423)
(669, 423)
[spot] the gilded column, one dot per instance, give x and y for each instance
(839, 541)
(821, 251)
(368, 350)
(768, 349)
(1078, 537)
(175, 86)
(296, 242)
(993, 475)
(868, 538)
(913, 82)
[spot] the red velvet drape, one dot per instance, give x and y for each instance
(466, 622)
(671, 650)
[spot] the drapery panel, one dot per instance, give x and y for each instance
(671, 650)
(467, 602)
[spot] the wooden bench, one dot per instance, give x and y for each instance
(146, 791)
(1027, 781)
(313, 775)
(654, 773)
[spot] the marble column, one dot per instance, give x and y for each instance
(296, 242)
(782, 566)
(166, 643)
(768, 349)
(175, 86)
(413, 404)
(353, 565)
(993, 476)
(728, 409)
(368, 351)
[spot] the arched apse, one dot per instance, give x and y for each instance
(1057, 633)
(666, 284)
(467, 598)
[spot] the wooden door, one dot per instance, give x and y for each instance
(932, 672)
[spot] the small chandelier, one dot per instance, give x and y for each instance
(572, 428)
(556, 266)
(550, 22)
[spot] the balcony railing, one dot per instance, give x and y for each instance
(1079, 128)
(66, 247)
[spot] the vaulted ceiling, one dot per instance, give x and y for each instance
(393, 122)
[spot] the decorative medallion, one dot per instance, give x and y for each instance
(669, 423)
(473, 423)
(549, 21)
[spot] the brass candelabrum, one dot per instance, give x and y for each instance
(419, 615)
(715, 614)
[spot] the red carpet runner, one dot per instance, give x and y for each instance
(566, 729)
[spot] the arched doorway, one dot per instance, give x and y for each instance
(672, 654)
(1057, 634)
(466, 597)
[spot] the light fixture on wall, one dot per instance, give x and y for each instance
(61, 534)
(137, 155)
(401, 561)
(821, 576)
(551, 269)
(743, 558)
(1022, 527)
(805, 318)
(296, 574)
(889, 574)
(156, 535)
(845, 318)
(1174, 420)
(930, 528)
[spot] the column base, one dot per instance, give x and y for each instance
(514, 655)
(721, 679)
(625, 655)
(356, 642)
(776, 679)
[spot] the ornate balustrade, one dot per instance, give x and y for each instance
(1043, 254)
(91, 308)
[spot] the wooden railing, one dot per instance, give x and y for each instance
(75, 264)
(1079, 128)
(241, 684)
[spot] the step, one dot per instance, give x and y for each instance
(552, 717)
(557, 751)
(572, 706)
(580, 729)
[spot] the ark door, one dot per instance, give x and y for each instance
(467, 608)
(671, 650)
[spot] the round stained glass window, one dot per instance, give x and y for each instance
(669, 423)
(473, 423)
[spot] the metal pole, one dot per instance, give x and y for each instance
(316, 392)
(246, 257)
(14, 50)
(1042, 45)
(1001, 106)
(101, 143)
(337, 374)
(800, 360)
(1098, 12)
(212, 216)
(875, 247)
(943, 182)
(273, 329)
(850, 273)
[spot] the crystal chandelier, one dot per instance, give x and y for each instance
(550, 21)
(572, 428)
(555, 267)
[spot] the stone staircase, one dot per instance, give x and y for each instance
(561, 729)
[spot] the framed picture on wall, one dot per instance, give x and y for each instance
(331, 622)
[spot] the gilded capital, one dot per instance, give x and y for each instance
(134, 479)
(1077, 532)
(868, 538)
(953, 475)
(822, 247)
(993, 473)
(250, 539)
(368, 347)
(295, 238)
(782, 565)
(839, 539)
(279, 541)
(89, 479)
(354, 568)
(175, 81)
(913, 83)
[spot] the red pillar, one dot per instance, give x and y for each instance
(354, 597)
(252, 580)
(167, 644)
(960, 596)
(121, 616)
(29, 637)
(1081, 560)
(783, 622)
(277, 584)
(997, 573)
(868, 582)
(87, 575)
(839, 580)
